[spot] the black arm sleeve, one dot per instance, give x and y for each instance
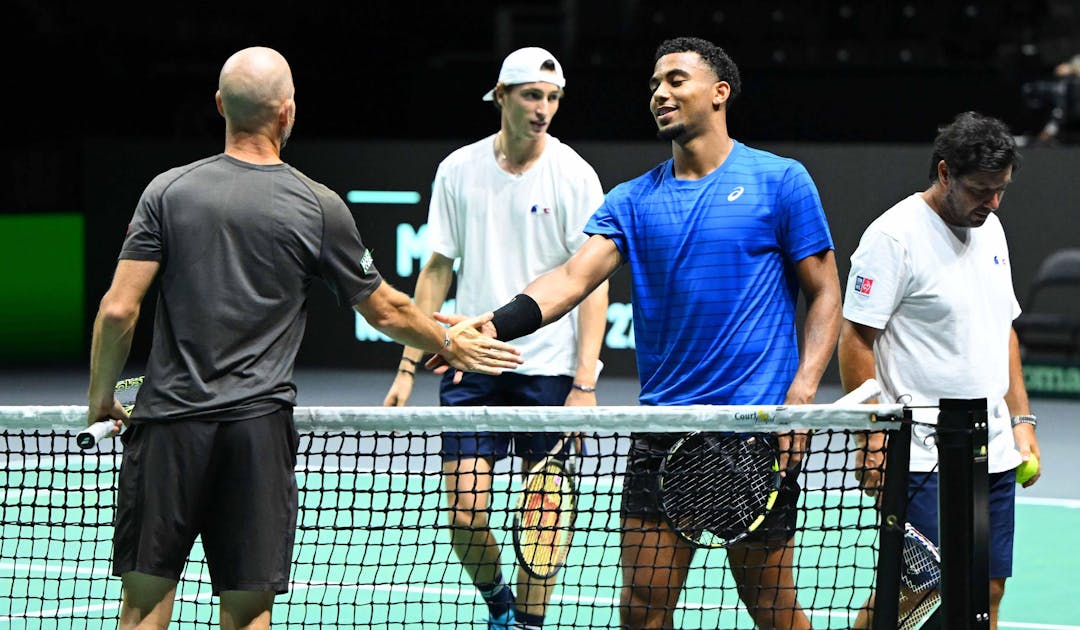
(519, 317)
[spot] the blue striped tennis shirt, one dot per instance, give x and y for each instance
(714, 283)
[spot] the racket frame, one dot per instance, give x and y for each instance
(928, 595)
(698, 538)
(567, 467)
(867, 390)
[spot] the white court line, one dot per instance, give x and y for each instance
(66, 570)
(61, 613)
(1035, 626)
(558, 598)
(1049, 502)
(34, 492)
(606, 601)
(406, 589)
(46, 568)
(34, 461)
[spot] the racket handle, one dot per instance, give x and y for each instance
(100, 430)
(862, 393)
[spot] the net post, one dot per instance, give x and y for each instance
(963, 513)
(893, 516)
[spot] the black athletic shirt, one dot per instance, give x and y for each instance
(239, 245)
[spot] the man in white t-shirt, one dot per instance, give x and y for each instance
(928, 312)
(509, 207)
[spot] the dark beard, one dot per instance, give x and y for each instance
(671, 132)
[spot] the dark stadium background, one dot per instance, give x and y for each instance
(100, 97)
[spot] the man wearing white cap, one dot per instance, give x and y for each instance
(511, 207)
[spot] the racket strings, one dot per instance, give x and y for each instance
(920, 577)
(718, 487)
(921, 612)
(546, 519)
(544, 497)
(921, 570)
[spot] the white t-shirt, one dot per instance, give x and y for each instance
(943, 298)
(508, 229)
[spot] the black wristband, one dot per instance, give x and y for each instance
(518, 317)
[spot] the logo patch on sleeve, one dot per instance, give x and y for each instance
(366, 261)
(863, 285)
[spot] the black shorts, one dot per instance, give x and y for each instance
(641, 488)
(232, 482)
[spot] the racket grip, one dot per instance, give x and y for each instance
(100, 430)
(862, 393)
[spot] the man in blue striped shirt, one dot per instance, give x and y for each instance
(720, 240)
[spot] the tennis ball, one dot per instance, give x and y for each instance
(1027, 470)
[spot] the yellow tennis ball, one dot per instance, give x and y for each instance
(1027, 470)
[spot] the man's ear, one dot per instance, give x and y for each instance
(943, 172)
(721, 93)
(287, 111)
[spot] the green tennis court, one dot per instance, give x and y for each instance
(371, 553)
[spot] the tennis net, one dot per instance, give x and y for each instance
(373, 543)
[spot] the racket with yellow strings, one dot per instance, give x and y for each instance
(546, 509)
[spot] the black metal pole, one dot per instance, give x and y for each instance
(963, 513)
(893, 517)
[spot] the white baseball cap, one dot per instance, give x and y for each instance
(524, 66)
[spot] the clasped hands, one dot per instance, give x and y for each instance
(473, 347)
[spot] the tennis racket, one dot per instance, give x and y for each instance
(716, 488)
(125, 393)
(920, 579)
(546, 510)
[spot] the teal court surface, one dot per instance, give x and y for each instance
(372, 553)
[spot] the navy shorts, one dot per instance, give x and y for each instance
(923, 515)
(232, 482)
(641, 488)
(501, 391)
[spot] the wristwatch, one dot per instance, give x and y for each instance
(1028, 419)
(584, 388)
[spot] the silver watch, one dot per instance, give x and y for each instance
(1028, 419)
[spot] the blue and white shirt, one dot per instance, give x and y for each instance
(714, 283)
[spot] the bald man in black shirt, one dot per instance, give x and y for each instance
(235, 240)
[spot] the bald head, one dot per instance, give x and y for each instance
(254, 85)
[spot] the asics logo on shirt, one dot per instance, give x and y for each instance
(735, 193)
(538, 209)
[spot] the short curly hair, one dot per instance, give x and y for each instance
(714, 57)
(974, 143)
